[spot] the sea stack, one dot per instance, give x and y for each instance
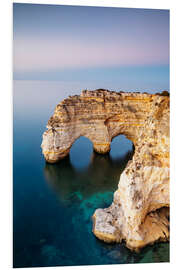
(139, 213)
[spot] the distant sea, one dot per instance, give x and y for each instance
(53, 203)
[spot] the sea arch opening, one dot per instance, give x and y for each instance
(81, 152)
(84, 173)
(121, 146)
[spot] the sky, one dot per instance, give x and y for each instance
(121, 46)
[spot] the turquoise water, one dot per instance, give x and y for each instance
(53, 204)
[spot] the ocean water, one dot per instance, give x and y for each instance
(53, 204)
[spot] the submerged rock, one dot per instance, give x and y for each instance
(139, 212)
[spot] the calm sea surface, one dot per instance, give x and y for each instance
(53, 203)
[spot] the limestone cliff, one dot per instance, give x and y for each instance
(139, 212)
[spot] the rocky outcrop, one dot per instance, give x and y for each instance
(139, 212)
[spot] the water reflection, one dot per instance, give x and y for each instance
(81, 192)
(101, 175)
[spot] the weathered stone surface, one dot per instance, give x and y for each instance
(144, 185)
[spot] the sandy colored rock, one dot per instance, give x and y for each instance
(143, 188)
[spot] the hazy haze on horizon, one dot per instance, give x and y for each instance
(118, 47)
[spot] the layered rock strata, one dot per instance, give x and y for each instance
(139, 212)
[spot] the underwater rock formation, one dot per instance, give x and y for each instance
(139, 212)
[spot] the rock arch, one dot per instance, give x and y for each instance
(98, 115)
(143, 188)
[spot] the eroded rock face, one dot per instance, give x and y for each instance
(139, 212)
